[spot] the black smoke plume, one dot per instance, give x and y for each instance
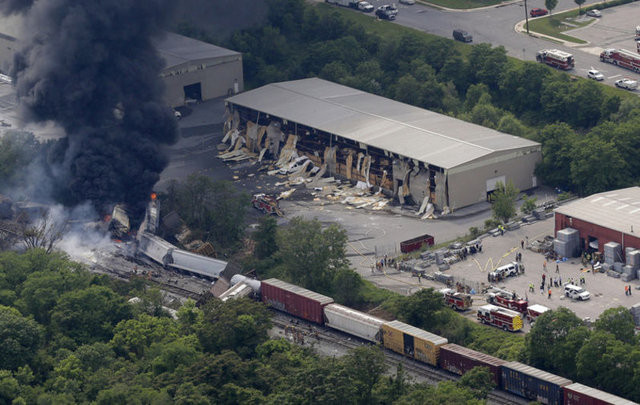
(92, 67)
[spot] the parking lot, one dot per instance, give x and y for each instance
(606, 292)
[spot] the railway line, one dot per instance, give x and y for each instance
(431, 374)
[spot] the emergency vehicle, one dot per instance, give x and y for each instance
(456, 300)
(507, 300)
(621, 57)
(503, 318)
(267, 204)
(534, 311)
(556, 58)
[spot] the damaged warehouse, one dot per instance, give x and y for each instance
(419, 156)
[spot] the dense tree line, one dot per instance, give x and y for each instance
(68, 336)
(588, 132)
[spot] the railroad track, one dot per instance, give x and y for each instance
(431, 374)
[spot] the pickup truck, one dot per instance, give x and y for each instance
(387, 12)
(627, 84)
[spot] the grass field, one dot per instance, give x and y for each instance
(554, 25)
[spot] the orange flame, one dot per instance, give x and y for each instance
(153, 196)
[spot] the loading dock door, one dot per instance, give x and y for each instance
(491, 183)
(193, 92)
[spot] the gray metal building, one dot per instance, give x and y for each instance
(406, 150)
(197, 70)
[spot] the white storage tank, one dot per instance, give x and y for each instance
(353, 322)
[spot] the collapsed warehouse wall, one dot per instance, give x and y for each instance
(409, 180)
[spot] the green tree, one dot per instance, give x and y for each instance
(419, 309)
(240, 325)
(550, 4)
(365, 365)
(597, 166)
(579, 3)
(528, 204)
(503, 201)
(347, 287)
(133, 337)
(554, 340)
(17, 150)
(20, 337)
(486, 64)
(619, 322)
(213, 209)
(479, 380)
(265, 237)
(90, 314)
(310, 255)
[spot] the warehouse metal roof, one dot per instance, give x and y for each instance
(618, 210)
(399, 128)
(177, 49)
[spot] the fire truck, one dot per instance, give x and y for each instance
(456, 300)
(503, 318)
(267, 204)
(534, 311)
(621, 57)
(507, 300)
(556, 58)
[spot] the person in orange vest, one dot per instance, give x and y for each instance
(549, 293)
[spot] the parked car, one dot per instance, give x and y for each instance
(538, 12)
(462, 35)
(627, 84)
(409, 2)
(365, 6)
(576, 293)
(387, 12)
(595, 75)
(594, 13)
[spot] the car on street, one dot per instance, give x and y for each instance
(576, 293)
(365, 6)
(594, 13)
(386, 12)
(462, 35)
(627, 84)
(409, 2)
(595, 75)
(538, 12)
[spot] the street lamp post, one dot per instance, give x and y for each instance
(526, 15)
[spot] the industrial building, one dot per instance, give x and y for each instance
(194, 70)
(613, 216)
(198, 71)
(417, 155)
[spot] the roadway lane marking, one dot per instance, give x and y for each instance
(613, 77)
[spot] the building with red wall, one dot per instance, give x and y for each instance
(613, 216)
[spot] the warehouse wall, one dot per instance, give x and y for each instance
(467, 184)
(604, 235)
(216, 80)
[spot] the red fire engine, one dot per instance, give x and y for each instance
(534, 311)
(456, 300)
(507, 300)
(267, 204)
(500, 317)
(621, 57)
(556, 58)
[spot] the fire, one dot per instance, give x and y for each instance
(107, 218)
(153, 196)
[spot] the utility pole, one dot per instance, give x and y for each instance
(526, 15)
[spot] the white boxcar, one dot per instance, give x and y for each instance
(155, 247)
(353, 322)
(195, 263)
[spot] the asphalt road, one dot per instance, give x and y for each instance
(496, 25)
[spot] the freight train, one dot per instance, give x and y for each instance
(514, 377)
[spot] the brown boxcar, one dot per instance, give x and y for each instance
(416, 243)
(294, 300)
(578, 394)
(413, 342)
(459, 360)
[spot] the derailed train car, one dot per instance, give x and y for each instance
(294, 300)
